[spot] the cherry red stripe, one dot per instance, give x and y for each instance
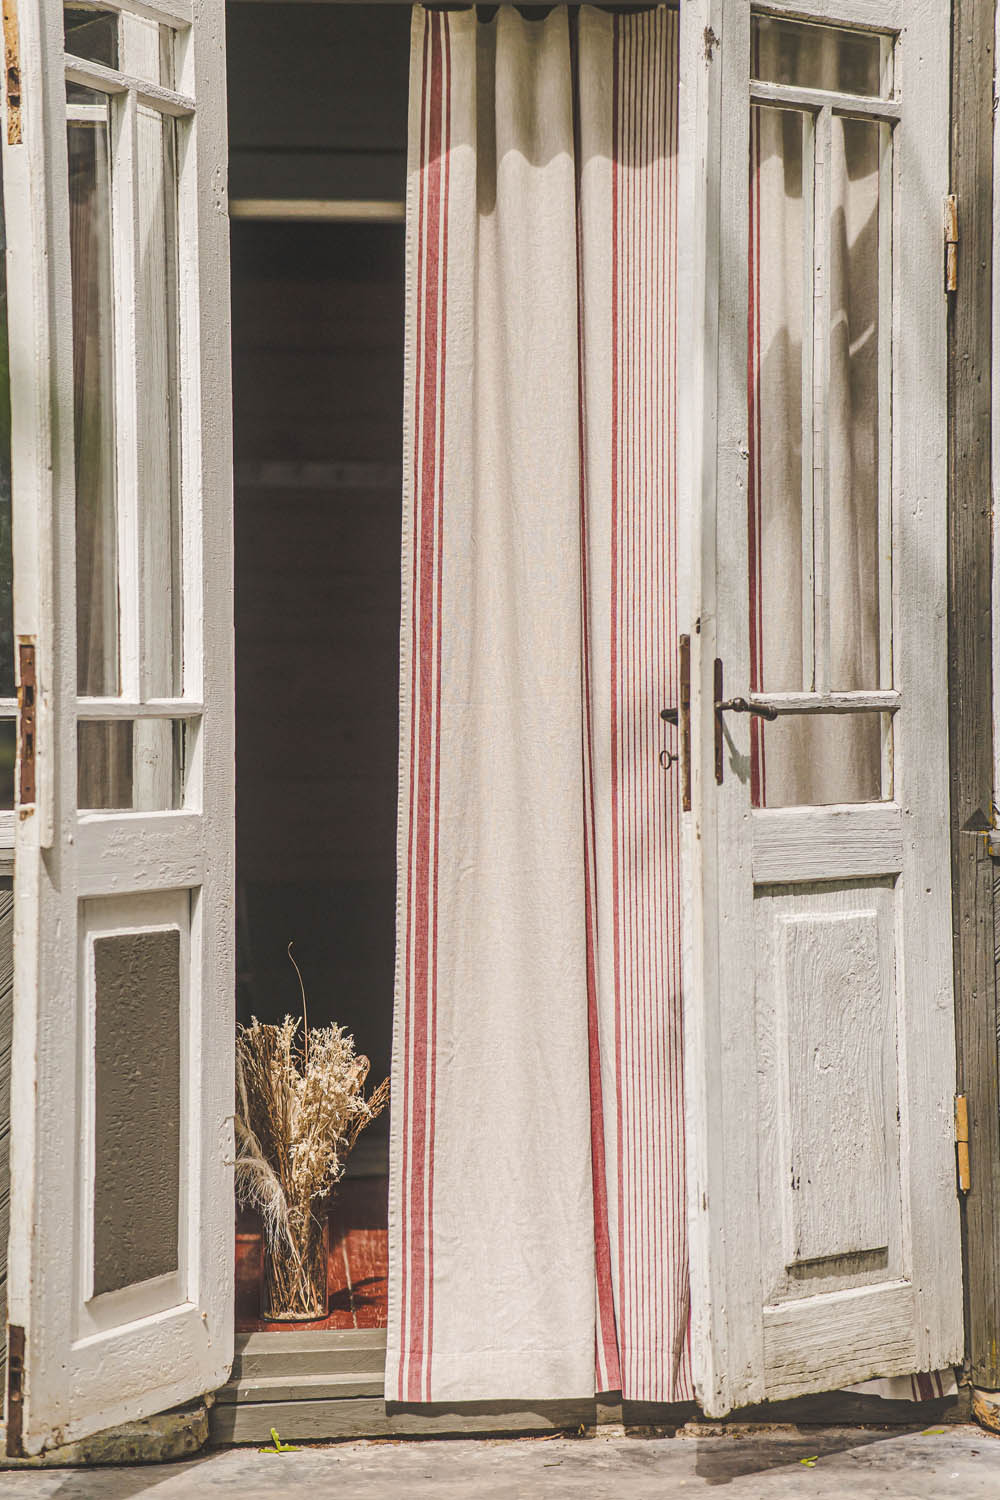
(406, 1193)
(427, 626)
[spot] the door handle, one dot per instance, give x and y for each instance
(744, 706)
(734, 706)
(680, 717)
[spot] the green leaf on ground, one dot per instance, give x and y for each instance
(279, 1446)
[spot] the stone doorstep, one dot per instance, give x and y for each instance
(171, 1435)
(286, 1381)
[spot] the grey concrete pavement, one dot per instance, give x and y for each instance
(858, 1463)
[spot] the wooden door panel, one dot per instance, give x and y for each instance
(827, 1087)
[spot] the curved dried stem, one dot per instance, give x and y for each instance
(305, 1017)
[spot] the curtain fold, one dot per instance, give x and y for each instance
(537, 1245)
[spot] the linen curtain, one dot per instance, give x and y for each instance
(537, 1231)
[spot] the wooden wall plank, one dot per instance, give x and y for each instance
(970, 671)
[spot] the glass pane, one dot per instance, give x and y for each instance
(6, 556)
(148, 50)
(803, 760)
(780, 412)
(159, 508)
(92, 35)
(8, 754)
(820, 57)
(93, 397)
(126, 765)
(853, 439)
(167, 78)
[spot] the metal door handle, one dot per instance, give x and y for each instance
(744, 706)
(735, 706)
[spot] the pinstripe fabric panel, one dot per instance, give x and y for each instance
(652, 1289)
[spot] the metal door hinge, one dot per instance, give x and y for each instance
(962, 1143)
(951, 243)
(27, 736)
(15, 1390)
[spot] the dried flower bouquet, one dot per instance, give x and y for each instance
(300, 1107)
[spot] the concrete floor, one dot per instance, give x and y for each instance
(856, 1463)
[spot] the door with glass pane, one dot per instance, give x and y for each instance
(821, 1048)
(120, 1273)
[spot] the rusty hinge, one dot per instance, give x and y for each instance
(12, 71)
(15, 1390)
(951, 243)
(27, 696)
(962, 1142)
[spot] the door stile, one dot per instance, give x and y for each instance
(209, 660)
(920, 593)
(40, 334)
(715, 50)
(739, 1360)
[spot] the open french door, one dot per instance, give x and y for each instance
(819, 1032)
(114, 168)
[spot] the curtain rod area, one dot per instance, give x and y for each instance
(320, 210)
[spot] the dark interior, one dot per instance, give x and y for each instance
(317, 372)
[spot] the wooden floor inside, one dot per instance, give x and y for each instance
(357, 1270)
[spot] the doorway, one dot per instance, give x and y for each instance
(318, 320)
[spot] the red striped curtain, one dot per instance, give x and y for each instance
(537, 1217)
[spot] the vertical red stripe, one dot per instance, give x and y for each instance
(439, 558)
(408, 1032)
(616, 416)
(608, 1374)
(422, 939)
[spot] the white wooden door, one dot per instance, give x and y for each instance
(819, 1032)
(121, 1260)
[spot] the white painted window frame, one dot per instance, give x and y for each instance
(140, 1355)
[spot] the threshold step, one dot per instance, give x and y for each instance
(300, 1388)
(319, 1420)
(327, 1351)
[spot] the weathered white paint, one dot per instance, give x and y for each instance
(851, 702)
(825, 101)
(826, 1042)
(826, 843)
(116, 83)
(768, 969)
(95, 1362)
(866, 15)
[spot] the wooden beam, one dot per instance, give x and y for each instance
(970, 671)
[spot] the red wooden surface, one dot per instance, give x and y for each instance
(357, 1270)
